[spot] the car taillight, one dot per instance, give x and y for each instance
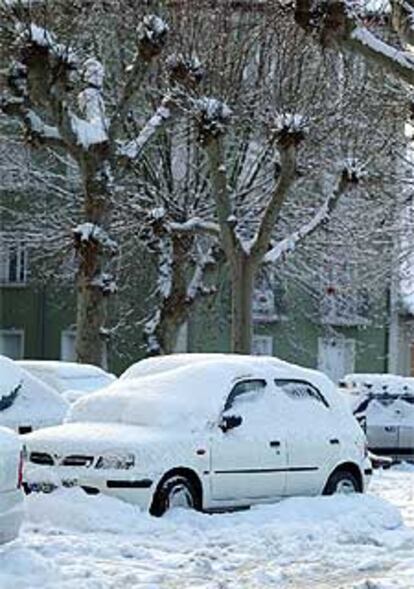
(20, 471)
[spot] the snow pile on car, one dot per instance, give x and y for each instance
(25, 400)
(397, 413)
(391, 384)
(68, 376)
(183, 392)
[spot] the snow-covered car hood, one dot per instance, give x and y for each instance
(94, 438)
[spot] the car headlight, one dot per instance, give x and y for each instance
(116, 461)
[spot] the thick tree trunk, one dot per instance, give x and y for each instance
(173, 311)
(94, 249)
(90, 318)
(242, 279)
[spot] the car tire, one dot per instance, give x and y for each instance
(175, 491)
(342, 482)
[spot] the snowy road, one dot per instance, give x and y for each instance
(73, 541)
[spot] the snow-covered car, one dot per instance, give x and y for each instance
(27, 403)
(384, 404)
(11, 496)
(70, 379)
(209, 432)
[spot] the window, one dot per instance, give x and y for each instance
(262, 345)
(13, 260)
(67, 345)
(343, 301)
(268, 303)
(244, 387)
(300, 389)
(12, 343)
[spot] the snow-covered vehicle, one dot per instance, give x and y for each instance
(11, 496)
(27, 403)
(205, 431)
(384, 404)
(70, 379)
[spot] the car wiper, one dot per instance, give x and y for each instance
(7, 400)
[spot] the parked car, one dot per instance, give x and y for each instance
(27, 403)
(70, 379)
(211, 432)
(384, 404)
(11, 497)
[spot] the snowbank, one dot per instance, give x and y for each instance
(72, 541)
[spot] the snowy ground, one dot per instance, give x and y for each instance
(73, 541)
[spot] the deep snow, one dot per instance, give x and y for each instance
(72, 540)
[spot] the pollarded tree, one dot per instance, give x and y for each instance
(58, 93)
(292, 96)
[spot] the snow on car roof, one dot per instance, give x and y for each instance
(24, 399)
(380, 383)
(183, 391)
(64, 369)
(160, 364)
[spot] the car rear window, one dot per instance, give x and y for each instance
(300, 389)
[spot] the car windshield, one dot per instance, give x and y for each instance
(184, 397)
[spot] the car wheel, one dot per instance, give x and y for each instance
(175, 491)
(342, 482)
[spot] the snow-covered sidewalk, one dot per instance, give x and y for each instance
(75, 541)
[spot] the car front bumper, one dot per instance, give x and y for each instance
(11, 515)
(133, 487)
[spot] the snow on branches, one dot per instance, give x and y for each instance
(151, 35)
(187, 71)
(91, 233)
(212, 116)
(288, 128)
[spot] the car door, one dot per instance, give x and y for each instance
(248, 462)
(383, 425)
(313, 445)
(406, 428)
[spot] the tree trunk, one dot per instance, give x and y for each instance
(95, 250)
(167, 333)
(242, 279)
(173, 310)
(90, 318)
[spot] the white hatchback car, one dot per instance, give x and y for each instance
(210, 432)
(11, 496)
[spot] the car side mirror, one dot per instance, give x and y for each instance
(230, 422)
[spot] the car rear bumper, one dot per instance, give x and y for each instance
(11, 515)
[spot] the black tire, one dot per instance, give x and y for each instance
(175, 487)
(342, 482)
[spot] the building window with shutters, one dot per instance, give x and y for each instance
(13, 260)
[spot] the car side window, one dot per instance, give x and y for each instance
(300, 389)
(244, 387)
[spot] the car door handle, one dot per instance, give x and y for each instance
(334, 441)
(274, 444)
